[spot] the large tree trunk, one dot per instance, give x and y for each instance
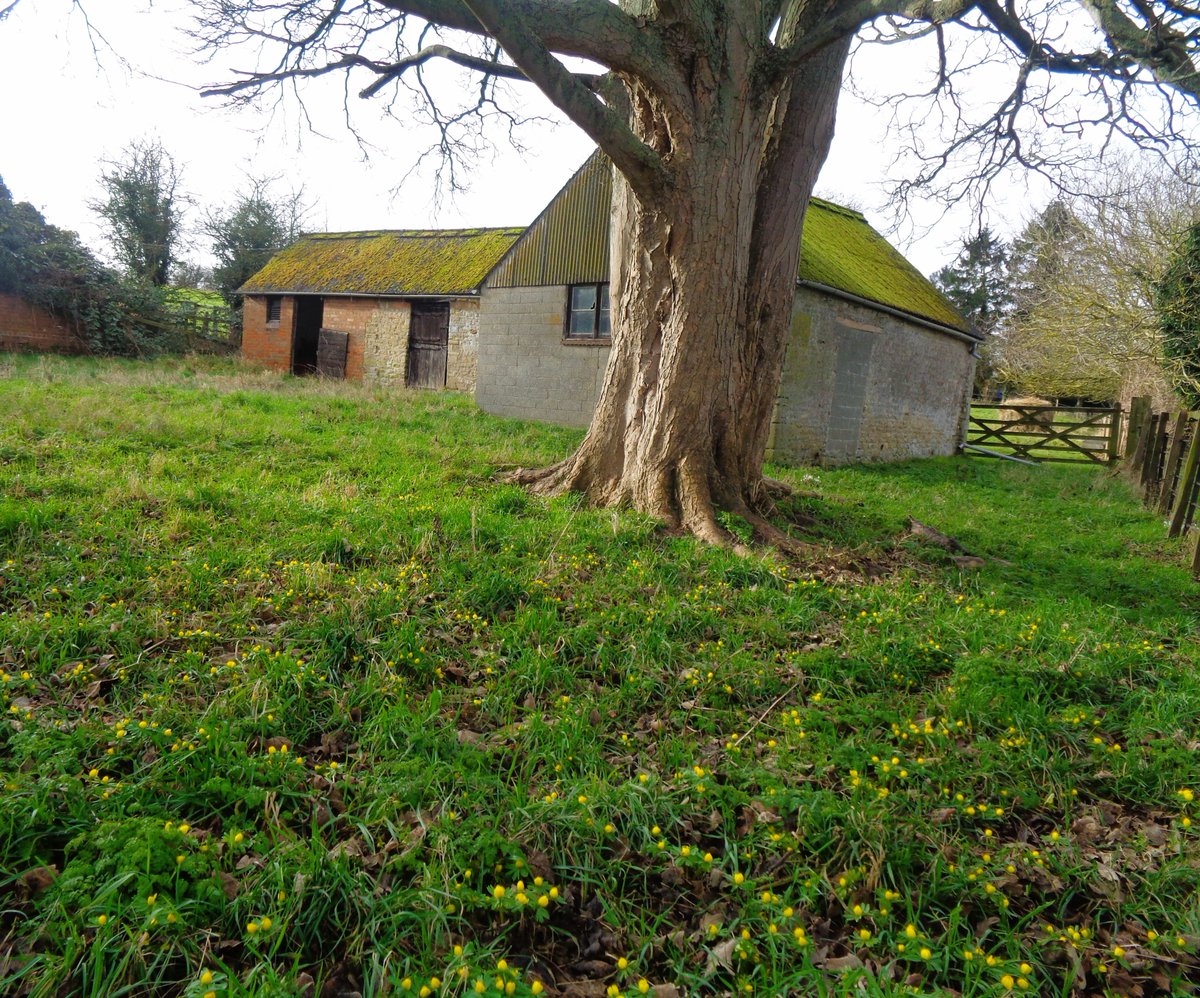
(702, 284)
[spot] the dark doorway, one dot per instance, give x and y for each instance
(428, 339)
(310, 311)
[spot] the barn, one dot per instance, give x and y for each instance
(879, 365)
(388, 307)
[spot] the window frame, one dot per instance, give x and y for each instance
(277, 301)
(600, 309)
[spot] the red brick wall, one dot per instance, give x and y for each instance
(270, 345)
(351, 315)
(26, 327)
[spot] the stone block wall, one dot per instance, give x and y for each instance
(25, 327)
(385, 344)
(268, 343)
(526, 369)
(860, 385)
(462, 358)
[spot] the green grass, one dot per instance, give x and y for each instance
(298, 697)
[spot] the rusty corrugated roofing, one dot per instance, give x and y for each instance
(388, 262)
(568, 244)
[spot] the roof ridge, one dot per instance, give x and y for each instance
(415, 233)
(838, 209)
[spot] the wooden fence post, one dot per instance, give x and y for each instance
(1151, 453)
(1139, 413)
(1114, 434)
(1181, 510)
(1171, 467)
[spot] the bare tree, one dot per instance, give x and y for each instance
(717, 116)
(142, 205)
(1086, 321)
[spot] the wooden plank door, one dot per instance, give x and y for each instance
(428, 340)
(332, 347)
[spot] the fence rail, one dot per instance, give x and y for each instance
(1044, 432)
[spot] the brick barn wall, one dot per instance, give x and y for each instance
(859, 385)
(353, 316)
(269, 344)
(25, 327)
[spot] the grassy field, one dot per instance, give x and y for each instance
(299, 700)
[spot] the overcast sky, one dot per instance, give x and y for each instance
(65, 108)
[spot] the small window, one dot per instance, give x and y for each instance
(274, 308)
(587, 312)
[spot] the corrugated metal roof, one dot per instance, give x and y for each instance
(568, 244)
(390, 262)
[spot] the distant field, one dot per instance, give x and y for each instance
(300, 700)
(195, 296)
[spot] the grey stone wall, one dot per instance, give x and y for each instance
(858, 384)
(861, 385)
(385, 348)
(525, 368)
(462, 356)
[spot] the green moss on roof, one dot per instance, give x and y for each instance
(391, 262)
(840, 250)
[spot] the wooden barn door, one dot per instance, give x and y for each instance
(332, 347)
(428, 339)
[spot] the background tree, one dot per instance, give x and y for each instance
(1177, 305)
(1084, 322)
(143, 208)
(247, 233)
(977, 283)
(717, 116)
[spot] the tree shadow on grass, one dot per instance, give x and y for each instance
(1067, 534)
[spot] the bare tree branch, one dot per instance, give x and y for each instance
(636, 160)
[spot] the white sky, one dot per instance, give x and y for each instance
(63, 110)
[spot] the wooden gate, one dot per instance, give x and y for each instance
(1043, 433)
(428, 341)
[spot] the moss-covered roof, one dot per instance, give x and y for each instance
(840, 250)
(388, 262)
(568, 244)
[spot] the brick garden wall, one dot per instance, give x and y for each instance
(25, 327)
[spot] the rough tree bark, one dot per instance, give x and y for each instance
(703, 277)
